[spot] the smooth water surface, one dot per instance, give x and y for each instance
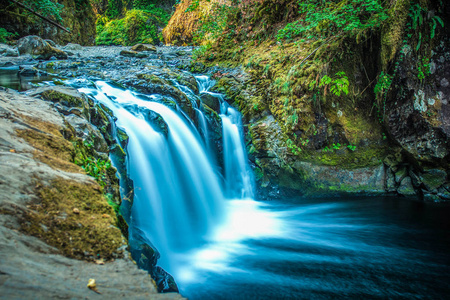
(10, 78)
(359, 248)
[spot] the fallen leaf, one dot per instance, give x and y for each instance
(106, 216)
(12, 151)
(92, 285)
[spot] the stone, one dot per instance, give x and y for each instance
(157, 122)
(406, 188)
(133, 54)
(69, 99)
(30, 71)
(38, 48)
(211, 101)
(50, 42)
(434, 179)
(143, 47)
(73, 47)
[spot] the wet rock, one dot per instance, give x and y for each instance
(157, 122)
(164, 281)
(211, 101)
(133, 54)
(11, 52)
(406, 188)
(123, 137)
(38, 48)
(434, 179)
(30, 71)
(143, 47)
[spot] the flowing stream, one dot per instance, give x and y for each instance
(220, 243)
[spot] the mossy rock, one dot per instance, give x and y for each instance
(38, 48)
(69, 98)
(142, 47)
(73, 217)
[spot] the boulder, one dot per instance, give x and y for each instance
(51, 43)
(72, 47)
(143, 47)
(133, 54)
(38, 48)
(30, 71)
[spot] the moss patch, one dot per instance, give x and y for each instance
(75, 218)
(50, 144)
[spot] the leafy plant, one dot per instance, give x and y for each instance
(329, 18)
(294, 148)
(5, 35)
(47, 8)
(383, 84)
(338, 84)
(351, 147)
(95, 167)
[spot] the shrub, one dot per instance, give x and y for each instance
(138, 26)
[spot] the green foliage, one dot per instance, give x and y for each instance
(47, 8)
(351, 147)
(5, 35)
(200, 51)
(114, 8)
(323, 19)
(383, 84)
(433, 24)
(294, 149)
(138, 26)
(94, 167)
(423, 68)
(215, 24)
(338, 84)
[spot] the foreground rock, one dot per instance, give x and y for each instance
(35, 158)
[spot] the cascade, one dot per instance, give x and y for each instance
(179, 193)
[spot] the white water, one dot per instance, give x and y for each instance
(195, 216)
(238, 176)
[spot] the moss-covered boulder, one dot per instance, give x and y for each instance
(143, 47)
(38, 48)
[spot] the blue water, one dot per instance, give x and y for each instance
(358, 248)
(336, 248)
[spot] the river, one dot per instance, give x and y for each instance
(220, 243)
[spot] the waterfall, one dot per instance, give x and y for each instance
(179, 193)
(238, 176)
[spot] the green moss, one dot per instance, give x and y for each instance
(346, 159)
(74, 217)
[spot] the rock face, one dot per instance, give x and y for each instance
(77, 16)
(38, 48)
